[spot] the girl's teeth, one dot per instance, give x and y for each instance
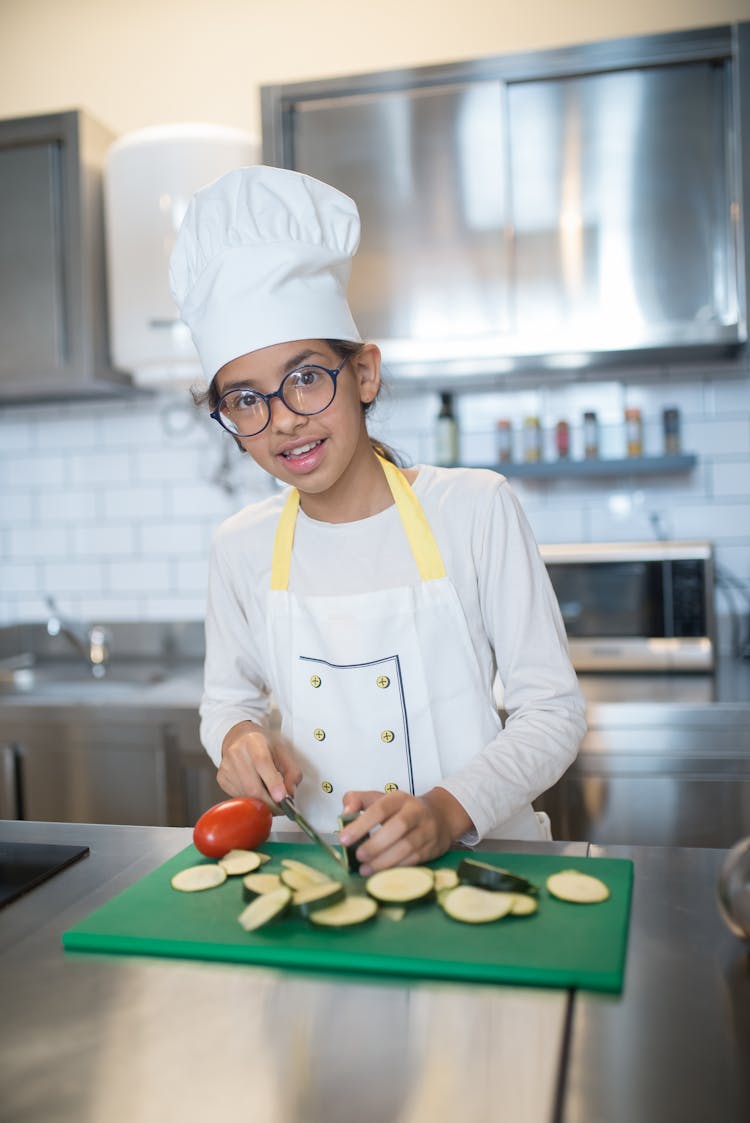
(302, 449)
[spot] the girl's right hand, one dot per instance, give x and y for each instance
(257, 763)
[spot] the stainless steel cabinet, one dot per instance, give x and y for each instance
(658, 776)
(52, 276)
(577, 206)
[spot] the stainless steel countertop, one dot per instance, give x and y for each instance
(133, 1040)
(93, 1037)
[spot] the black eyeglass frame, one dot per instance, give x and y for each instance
(279, 393)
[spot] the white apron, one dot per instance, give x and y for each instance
(379, 690)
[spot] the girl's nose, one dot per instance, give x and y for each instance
(283, 419)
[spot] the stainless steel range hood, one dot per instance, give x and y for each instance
(563, 210)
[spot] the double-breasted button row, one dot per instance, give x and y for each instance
(381, 681)
(386, 736)
(327, 787)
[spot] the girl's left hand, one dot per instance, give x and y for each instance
(411, 829)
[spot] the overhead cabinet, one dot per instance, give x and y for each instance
(52, 275)
(563, 209)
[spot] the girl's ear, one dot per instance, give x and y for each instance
(366, 366)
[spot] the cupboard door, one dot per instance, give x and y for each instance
(32, 304)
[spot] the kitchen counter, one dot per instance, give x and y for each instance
(94, 1037)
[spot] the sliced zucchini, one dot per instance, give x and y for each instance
(353, 910)
(265, 908)
(304, 872)
(493, 877)
(472, 905)
(240, 862)
(195, 878)
(392, 912)
(255, 884)
(523, 905)
(350, 856)
(445, 879)
(313, 897)
(580, 888)
(402, 885)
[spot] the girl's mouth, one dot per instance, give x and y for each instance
(304, 458)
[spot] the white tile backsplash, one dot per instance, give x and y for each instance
(111, 506)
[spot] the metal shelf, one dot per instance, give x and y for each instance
(623, 466)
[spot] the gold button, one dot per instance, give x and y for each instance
(390, 788)
(327, 787)
(382, 681)
(387, 735)
(319, 734)
(315, 680)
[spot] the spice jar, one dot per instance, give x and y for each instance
(532, 440)
(634, 432)
(590, 435)
(671, 426)
(504, 441)
(562, 440)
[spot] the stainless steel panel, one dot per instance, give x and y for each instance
(427, 171)
(95, 770)
(8, 782)
(118, 1038)
(31, 275)
(621, 204)
(675, 1045)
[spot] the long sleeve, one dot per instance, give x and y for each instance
(545, 709)
(235, 688)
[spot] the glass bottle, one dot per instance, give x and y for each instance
(446, 432)
(634, 432)
(671, 426)
(504, 441)
(532, 440)
(590, 435)
(562, 440)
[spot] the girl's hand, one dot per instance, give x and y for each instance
(410, 829)
(257, 763)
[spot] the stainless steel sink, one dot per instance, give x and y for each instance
(62, 675)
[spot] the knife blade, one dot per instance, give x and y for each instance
(291, 812)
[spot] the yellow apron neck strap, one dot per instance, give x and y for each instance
(281, 560)
(418, 532)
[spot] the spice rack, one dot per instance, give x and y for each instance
(595, 466)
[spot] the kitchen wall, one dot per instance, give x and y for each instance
(110, 506)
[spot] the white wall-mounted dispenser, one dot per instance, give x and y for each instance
(150, 176)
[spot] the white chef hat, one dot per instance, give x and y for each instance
(262, 257)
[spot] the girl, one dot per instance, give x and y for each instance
(374, 604)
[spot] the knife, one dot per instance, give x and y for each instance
(291, 812)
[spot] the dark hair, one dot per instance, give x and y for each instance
(344, 349)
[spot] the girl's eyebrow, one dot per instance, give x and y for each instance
(288, 366)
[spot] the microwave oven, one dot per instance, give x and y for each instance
(635, 606)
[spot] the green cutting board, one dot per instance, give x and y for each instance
(562, 945)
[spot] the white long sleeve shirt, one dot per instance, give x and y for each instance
(512, 615)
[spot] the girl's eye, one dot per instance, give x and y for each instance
(307, 376)
(243, 399)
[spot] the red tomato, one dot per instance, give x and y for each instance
(235, 824)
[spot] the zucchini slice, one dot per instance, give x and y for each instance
(402, 885)
(392, 912)
(445, 879)
(523, 905)
(354, 910)
(580, 888)
(255, 884)
(350, 855)
(472, 905)
(240, 862)
(195, 878)
(265, 908)
(304, 872)
(493, 877)
(313, 897)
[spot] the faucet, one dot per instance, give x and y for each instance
(91, 641)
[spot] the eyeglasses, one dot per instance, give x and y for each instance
(306, 391)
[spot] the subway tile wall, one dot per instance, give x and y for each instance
(110, 506)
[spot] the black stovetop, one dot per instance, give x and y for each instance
(24, 865)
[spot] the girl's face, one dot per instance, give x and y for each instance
(313, 452)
